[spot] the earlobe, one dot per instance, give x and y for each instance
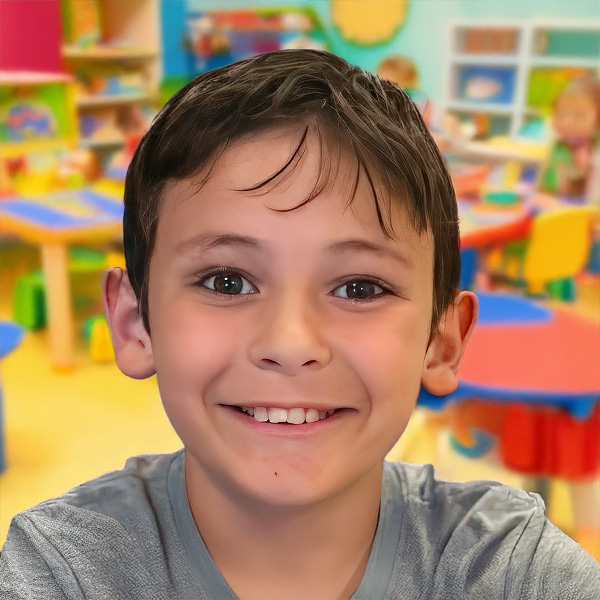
(131, 341)
(446, 349)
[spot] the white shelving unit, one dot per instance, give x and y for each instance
(129, 44)
(495, 68)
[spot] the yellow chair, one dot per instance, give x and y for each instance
(557, 249)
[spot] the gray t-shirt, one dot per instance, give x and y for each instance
(130, 534)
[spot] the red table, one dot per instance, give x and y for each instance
(486, 225)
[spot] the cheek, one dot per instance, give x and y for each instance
(389, 353)
(559, 126)
(590, 125)
(193, 346)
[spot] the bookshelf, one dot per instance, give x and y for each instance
(508, 72)
(113, 49)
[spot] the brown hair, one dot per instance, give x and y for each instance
(373, 118)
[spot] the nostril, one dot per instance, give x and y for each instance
(309, 362)
(270, 361)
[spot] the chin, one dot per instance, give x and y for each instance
(576, 141)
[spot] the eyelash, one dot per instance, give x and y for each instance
(385, 289)
(204, 277)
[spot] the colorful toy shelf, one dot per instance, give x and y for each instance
(37, 127)
(218, 37)
(112, 47)
(510, 71)
(36, 110)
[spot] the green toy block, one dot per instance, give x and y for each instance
(29, 303)
(562, 289)
(86, 260)
(88, 325)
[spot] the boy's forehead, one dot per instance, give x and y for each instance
(228, 195)
(257, 156)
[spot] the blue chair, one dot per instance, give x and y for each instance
(10, 337)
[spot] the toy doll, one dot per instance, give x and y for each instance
(571, 171)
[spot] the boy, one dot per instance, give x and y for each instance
(292, 261)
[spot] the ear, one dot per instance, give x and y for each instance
(131, 341)
(445, 351)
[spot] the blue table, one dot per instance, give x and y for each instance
(53, 222)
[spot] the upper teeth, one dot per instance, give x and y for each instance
(286, 415)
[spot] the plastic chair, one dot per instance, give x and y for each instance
(559, 247)
(557, 250)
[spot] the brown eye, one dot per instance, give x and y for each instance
(358, 290)
(228, 283)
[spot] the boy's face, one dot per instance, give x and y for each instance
(309, 311)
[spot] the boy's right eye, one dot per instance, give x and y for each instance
(226, 282)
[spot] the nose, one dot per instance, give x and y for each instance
(289, 337)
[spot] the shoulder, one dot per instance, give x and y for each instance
(141, 477)
(114, 499)
(112, 526)
(423, 490)
(485, 539)
(455, 512)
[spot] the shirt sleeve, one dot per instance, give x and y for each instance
(504, 547)
(30, 567)
(554, 567)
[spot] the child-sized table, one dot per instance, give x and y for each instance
(486, 225)
(53, 222)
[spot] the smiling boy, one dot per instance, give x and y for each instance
(292, 253)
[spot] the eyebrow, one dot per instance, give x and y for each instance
(205, 242)
(369, 247)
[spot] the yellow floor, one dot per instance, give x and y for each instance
(62, 429)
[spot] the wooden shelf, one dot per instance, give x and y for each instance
(92, 143)
(565, 61)
(125, 58)
(8, 149)
(481, 107)
(32, 78)
(110, 100)
(509, 60)
(101, 53)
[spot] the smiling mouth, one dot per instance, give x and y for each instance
(293, 416)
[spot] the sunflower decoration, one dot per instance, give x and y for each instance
(368, 22)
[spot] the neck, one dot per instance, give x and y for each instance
(298, 552)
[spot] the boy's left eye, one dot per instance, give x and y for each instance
(359, 289)
(227, 282)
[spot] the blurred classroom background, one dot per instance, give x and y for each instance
(509, 90)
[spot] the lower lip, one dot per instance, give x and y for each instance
(286, 429)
